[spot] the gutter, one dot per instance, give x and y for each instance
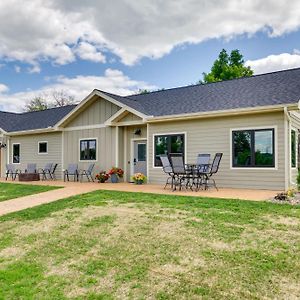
(228, 112)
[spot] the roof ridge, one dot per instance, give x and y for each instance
(209, 83)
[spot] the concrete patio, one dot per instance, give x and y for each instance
(77, 188)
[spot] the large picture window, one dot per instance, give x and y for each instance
(293, 148)
(16, 153)
(166, 144)
(88, 149)
(253, 148)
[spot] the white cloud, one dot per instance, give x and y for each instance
(17, 69)
(113, 81)
(53, 29)
(3, 88)
(89, 52)
(275, 62)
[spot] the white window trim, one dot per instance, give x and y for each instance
(88, 139)
(255, 128)
(42, 142)
(294, 128)
(168, 133)
(12, 153)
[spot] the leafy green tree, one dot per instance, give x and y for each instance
(227, 67)
(36, 104)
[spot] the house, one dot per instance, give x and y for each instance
(254, 121)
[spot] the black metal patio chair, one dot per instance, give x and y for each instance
(11, 171)
(46, 171)
(72, 170)
(182, 174)
(88, 173)
(167, 168)
(213, 169)
(202, 165)
(31, 168)
(52, 171)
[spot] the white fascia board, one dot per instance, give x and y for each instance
(248, 110)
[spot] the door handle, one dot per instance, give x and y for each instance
(134, 161)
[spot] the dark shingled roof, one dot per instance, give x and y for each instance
(33, 120)
(282, 87)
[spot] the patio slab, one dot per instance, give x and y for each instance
(76, 188)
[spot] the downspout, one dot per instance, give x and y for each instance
(287, 148)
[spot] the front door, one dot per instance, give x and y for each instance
(140, 157)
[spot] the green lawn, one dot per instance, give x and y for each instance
(11, 190)
(107, 245)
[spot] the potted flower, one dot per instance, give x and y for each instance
(102, 176)
(115, 173)
(139, 178)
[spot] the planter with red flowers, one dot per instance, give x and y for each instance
(102, 176)
(115, 173)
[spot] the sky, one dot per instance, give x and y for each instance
(121, 46)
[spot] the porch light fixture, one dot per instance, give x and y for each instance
(138, 131)
(2, 145)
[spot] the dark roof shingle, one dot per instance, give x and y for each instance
(11, 122)
(282, 87)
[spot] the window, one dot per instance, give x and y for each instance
(253, 148)
(43, 147)
(16, 153)
(165, 144)
(141, 152)
(88, 149)
(293, 148)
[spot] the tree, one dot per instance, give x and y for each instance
(62, 98)
(35, 104)
(55, 98)
(227, 67)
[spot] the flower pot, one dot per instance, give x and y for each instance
(139, 182)
(114, 178)
(101, 180)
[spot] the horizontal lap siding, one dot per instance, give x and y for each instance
(213, 135)
(29, 150)
(105, 147)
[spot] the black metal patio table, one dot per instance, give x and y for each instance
(197, 178)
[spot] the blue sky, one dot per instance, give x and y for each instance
(126, 46)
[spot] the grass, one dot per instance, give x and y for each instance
(107, 245)
(12, 190)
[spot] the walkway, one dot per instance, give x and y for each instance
(77, 188)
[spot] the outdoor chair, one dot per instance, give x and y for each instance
(167, 168)
(52, 171)
(201, 166)
(11, 171)
(31, 168)
(72, 170)
(46, 171)
(88, 173)
(203, 161)
(182, 174)
(213, 169)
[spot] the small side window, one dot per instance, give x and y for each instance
(16, 153)
(43, 147)
(293, 148)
